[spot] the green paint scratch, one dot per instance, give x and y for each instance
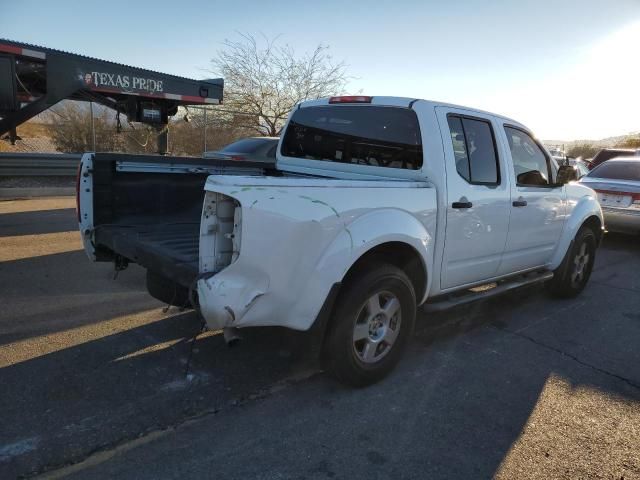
(315, 200)
(350, 236)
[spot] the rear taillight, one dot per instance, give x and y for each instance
(237, 157)
(78, 175)
(351, 99)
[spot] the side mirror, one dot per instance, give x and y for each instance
(566, 174)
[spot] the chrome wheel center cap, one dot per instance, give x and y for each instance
(376, 326)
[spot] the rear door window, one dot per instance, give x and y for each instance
(364, 135)
(474, 150)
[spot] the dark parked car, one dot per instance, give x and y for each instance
(254, 149)
(609, 153)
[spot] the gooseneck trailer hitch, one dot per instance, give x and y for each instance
(33, 78)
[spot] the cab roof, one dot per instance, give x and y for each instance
(406, 102)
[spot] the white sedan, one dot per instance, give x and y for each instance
(617, 183)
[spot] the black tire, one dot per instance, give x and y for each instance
(343, 355)
(167, 291)
(570, 278)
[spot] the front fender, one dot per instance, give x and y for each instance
(582, 203)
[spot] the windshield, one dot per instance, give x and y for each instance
(619, 170)
(365, 135)
(248, 145)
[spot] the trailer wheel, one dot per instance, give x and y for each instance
(166, 290)
(372, 321)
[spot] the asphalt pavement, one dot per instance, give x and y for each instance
(99, 380)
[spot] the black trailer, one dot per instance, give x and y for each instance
(34, 78)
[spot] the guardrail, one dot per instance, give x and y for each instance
(39, 164)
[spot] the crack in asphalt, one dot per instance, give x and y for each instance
(105, 452)
(566, 354)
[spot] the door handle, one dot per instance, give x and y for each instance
(461, 205)
(521, 202)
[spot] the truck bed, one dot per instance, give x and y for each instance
(147, 209)
(168, 249)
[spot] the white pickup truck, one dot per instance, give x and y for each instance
(376, 206)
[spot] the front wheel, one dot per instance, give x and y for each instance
(572, 275)
(372, 321)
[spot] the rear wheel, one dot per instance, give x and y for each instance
(572, 275)
(372, 321)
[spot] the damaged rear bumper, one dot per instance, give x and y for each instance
(227, 297)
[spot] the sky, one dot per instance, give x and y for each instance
(568, 69)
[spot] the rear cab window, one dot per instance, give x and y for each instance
(378, 136)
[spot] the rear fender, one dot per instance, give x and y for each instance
(374, 229)
(356, 239)
(289, 290)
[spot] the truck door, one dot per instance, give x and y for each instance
(478, 194)
(537, 203)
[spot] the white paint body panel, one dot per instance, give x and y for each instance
(301, 235)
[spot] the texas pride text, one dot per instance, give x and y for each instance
(101, 79)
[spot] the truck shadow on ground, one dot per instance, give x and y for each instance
(469, 384)
(69, 402)
(45, 294)
(38, 222)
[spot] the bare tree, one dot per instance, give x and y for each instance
(69, 127)
(584, 149)
(264, 80)
(188, 138)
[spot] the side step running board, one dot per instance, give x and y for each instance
(444, 302)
